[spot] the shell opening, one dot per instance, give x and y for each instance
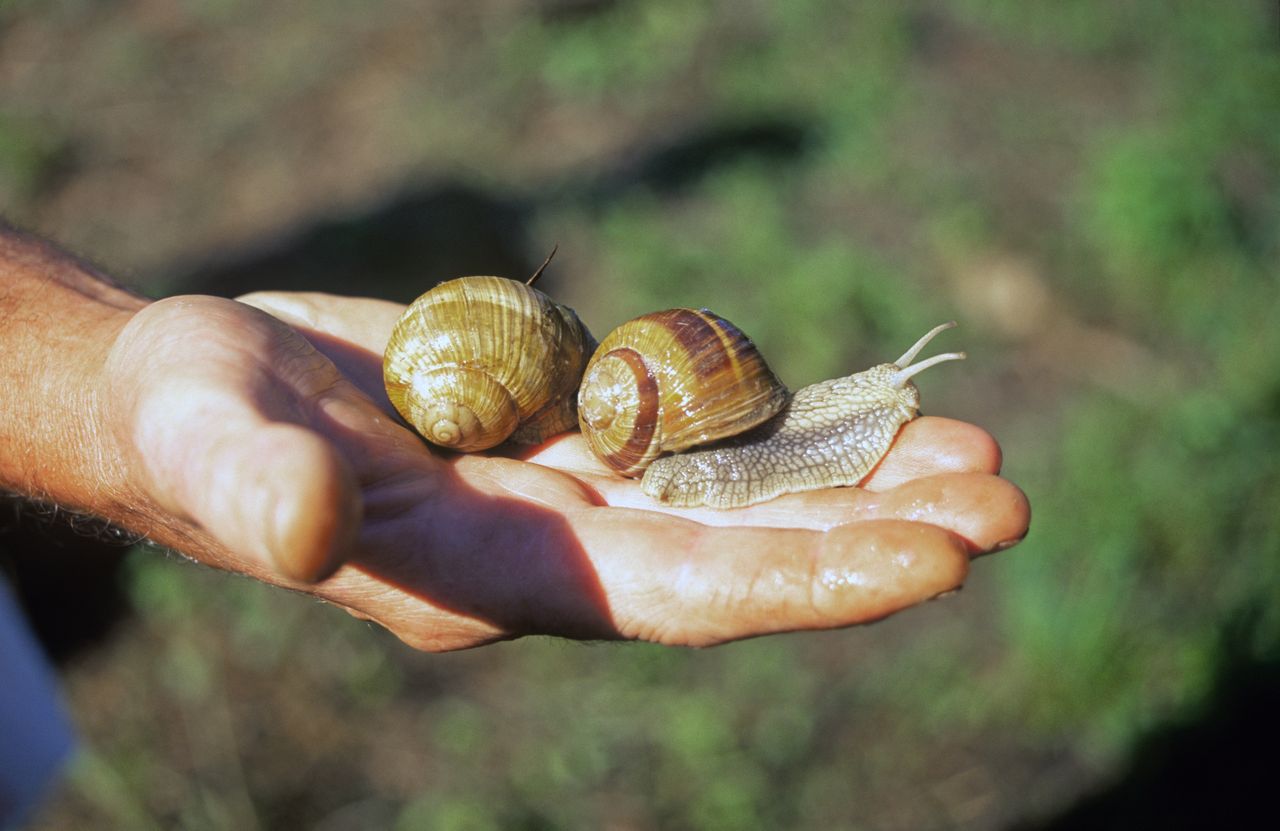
(910, 354)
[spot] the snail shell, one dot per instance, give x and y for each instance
(830, 434)
(671, 380)
(479, 360)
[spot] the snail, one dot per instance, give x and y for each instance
(828, 434)
(671, 380)
(681, 397)
(476, 361)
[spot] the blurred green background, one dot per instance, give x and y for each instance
(1091, 188)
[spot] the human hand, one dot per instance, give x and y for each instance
(270, 449)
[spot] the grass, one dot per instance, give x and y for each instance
(1124, 154)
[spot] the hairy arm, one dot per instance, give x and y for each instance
(95, 419)
(59, 317)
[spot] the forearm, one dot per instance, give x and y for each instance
(58, 320)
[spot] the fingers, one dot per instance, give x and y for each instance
(987, 512)
(681, 583)
(364, 321)
(350, 331)
(618, 573)
(930, 445)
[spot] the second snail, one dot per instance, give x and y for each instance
(681, 398)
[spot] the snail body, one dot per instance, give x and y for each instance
(476, 361)
(830, 434)
(671, 380)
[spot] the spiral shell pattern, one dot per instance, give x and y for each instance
(671, 380)
(479, 360)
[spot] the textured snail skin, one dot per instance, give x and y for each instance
(477, 361)
(671, 380)
(831, 434)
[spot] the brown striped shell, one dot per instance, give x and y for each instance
(668, 381)
(479, 360)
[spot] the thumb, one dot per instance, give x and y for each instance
(209, 399)
(273, 492)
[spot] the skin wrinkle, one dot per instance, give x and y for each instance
(577, 613)
(301, 311)
(733, 599)
(154, 435)
(78, 432)
(673, 598)
(511, 483)
(748, 591)
(105, 457)
(644, 610)
(445, 631)
(357, 427)
(386, 499)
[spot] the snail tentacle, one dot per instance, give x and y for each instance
(910, 354)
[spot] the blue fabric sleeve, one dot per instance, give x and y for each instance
(36, 737)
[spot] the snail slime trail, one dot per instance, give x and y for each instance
(477, 361)
(830, 434)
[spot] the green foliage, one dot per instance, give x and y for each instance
(625, 50)
(737, 241)
(27, 157)
(1137, 174)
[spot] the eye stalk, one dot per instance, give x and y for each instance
(906, 370)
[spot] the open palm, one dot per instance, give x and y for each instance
(266, 445)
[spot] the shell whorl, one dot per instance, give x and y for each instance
(484, 417)
(670, 380)
(479, 360)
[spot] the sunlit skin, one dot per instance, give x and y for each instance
(254, 436)
(455, 551)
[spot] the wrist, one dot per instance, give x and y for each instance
(58, 320)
